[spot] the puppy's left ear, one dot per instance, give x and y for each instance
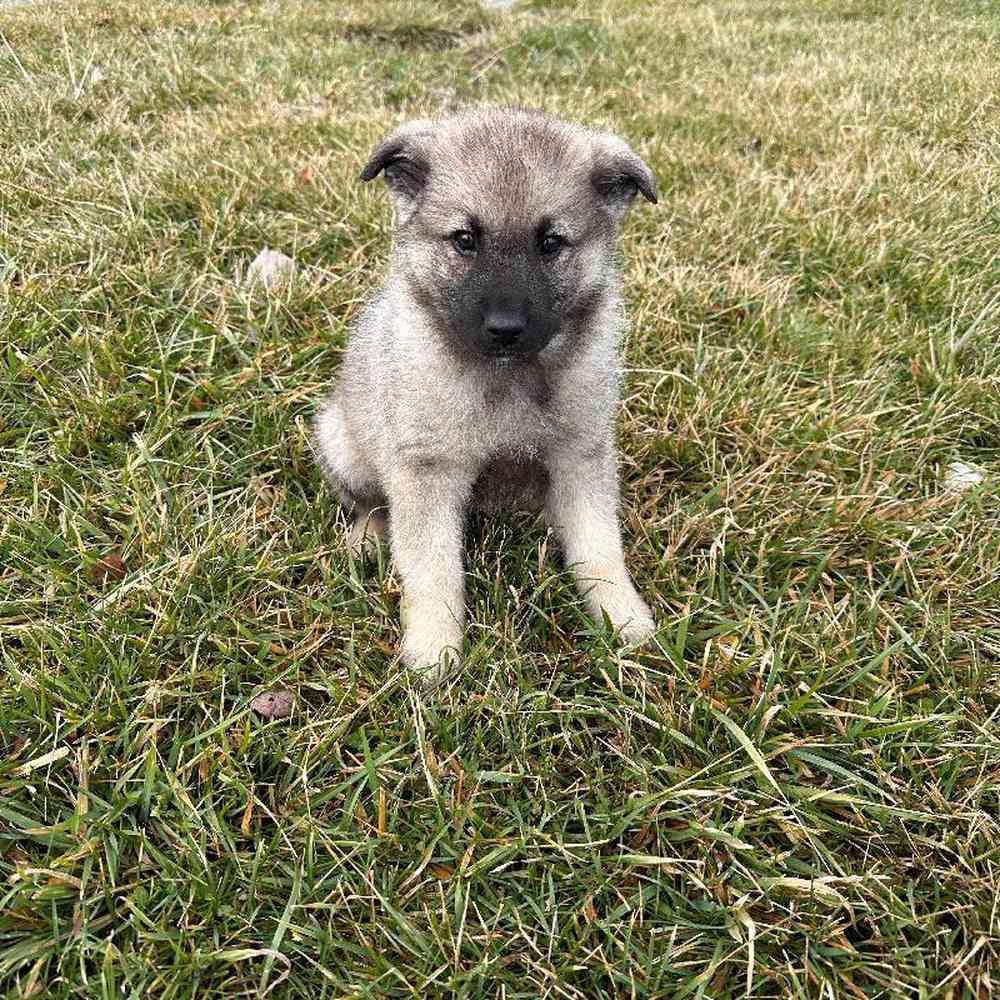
(618, 175)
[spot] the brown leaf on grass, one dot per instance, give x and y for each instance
(61, 878)
(641, 837)
(108, 569)
(442, 872)
(55, 877)
(305, 176)
(276, 704)
(245, 823)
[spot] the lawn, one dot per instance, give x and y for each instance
(793, 792)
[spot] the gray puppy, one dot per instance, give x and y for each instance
(485, 372)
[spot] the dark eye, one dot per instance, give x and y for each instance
(551, 244)
(464, 242)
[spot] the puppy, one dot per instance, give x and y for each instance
(485, 373)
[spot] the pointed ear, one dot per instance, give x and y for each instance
(402, 157)
(618, 175)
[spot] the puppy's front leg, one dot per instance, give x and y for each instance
(426, 514)
(582, 507)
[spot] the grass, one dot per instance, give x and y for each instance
(794, 792)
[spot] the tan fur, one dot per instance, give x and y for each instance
(423, 426)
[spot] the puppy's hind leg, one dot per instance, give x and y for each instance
(369, 527)
(345, 466)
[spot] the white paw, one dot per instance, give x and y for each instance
(639, 628)
(627, 611)
(431, 659)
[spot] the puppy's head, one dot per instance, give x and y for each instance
(506, 223)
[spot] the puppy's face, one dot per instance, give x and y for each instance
(506, 224)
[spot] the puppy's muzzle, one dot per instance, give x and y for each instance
(512, 332)
(505, 329)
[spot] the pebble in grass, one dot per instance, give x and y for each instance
(275, 704)
(272, 269)
(960, 476)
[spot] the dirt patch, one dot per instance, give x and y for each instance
(404, 36)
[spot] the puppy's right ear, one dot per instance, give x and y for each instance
(402, 157)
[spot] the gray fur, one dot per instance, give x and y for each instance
(490, 378)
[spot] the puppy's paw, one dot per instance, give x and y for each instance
(365, 533)
(638, 629)
(626, 610)
(431, 658)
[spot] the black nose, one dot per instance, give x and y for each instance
(505, 328)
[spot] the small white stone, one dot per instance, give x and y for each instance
(498, 4)
(274, 704)
(271, 269)
(960, 476)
